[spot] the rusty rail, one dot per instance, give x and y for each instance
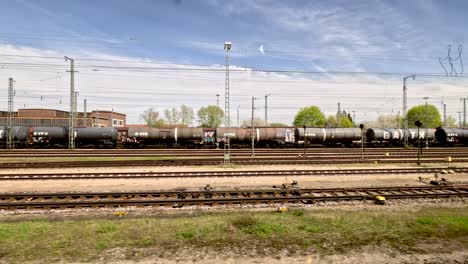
(11, 201)
(210, 174)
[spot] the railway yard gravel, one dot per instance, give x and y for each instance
(438, 253)
(325, 181)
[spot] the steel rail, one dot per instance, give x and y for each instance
(212, 174)
(11, 201)
(142, 152)
(218, 161)
(245, 154)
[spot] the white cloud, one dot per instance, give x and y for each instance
(135, 84)
(261, 50)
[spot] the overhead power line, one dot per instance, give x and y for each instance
(218, 70)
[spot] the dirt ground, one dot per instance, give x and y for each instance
(365, 256)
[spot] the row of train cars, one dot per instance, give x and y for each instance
(58, 137)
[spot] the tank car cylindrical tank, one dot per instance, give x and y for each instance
(151, 136)
(192, 134)
(344, 135)
(144, 132)
(316, 135)
(2, 133)
(97, 136)
(20, 133)
(95, 133)
(313, 135)
(236, 134)
(384, 135)
(397, 136)
(48, 136)
(50, 132)
(278, 135)
(451, 136)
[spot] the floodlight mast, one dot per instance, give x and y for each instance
(227, 117)
(405, 107)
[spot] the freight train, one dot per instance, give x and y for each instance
(58, 137)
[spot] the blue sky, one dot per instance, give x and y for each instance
(318, 36)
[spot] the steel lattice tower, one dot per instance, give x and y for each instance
(227, 120)
(9, 131)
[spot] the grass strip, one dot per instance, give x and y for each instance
(326, 231)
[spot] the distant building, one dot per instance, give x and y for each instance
(54, 117)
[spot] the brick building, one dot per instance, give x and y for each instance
(54, 117)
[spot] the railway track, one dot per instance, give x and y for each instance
(235, 160)
(24, 153)
(12, 201)
(212, 174)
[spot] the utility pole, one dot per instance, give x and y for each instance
(9, 129)
(253, 127)
(418, 124)
(426, 121)
(71, 123)
(111, 117)
(266, 109)
(361, 126)
(305, 141)
(464, 110)
(405, 107)
(445, 115)
(217, 100)
(227, 116)
(354, 117)
(398, 118)
(85, 114)
(238, 124)
(338, 116)
(75, 110)
(459, 119)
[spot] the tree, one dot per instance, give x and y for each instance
(186, 115)
(390, 121)
(451, 121)
(257, 122)
(151, 118)
(428, 118)
(333, 122)
(182, 115)
(309, 116)
(210, 116)
(346, 121)
(278, 125)
(172, 115)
